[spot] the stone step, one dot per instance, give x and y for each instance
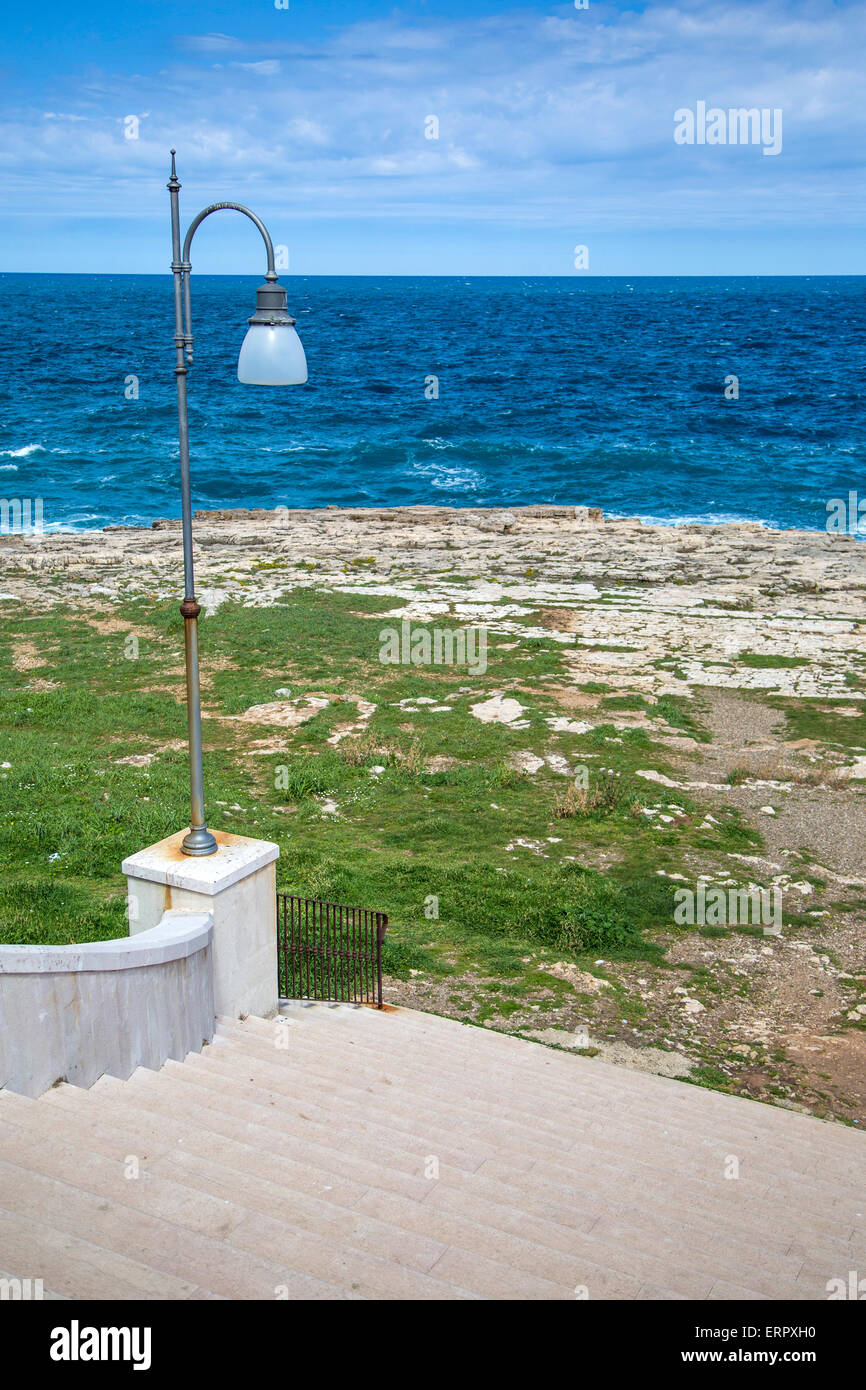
(306, 1172)
(769, 1178)
(572, 1077)
(162, 1245)
(251, 1158)
(212, 1194)
(206, 1069)
(835, 1198)
(773, 1221)
(311, 1243)
(170, 1119)
(566, 1078)
(73, 1267)
(506, 1232)
(744, 1217)
(552, 1124)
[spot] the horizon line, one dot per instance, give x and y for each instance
(458, 275)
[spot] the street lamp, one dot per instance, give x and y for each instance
(271, 355)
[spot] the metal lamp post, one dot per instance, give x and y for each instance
(271, 355)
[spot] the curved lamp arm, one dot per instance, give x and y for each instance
(232, 207)
(186, 267)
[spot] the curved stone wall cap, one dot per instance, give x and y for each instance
(166, 863)
(177, 935)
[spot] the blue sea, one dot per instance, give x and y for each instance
(606, 391)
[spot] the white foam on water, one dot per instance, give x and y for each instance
(23, 451)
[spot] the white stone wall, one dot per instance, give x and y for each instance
(244, 941)
(74, 1013)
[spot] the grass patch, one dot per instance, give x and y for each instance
(432, 822)
(625, 702)
(678, 714)
(769, 661)
(812, 719)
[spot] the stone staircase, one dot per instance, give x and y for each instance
(343, 1153)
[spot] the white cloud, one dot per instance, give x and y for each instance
(266, 67)
(553, 117)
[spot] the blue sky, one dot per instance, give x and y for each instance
(555, 129)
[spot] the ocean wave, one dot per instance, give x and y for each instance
(700, 519)
(448, 477)
(294, 448)
(90, 521)
(23, 452)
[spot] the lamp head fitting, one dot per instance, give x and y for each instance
(271, 305)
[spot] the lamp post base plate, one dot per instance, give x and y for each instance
(199, 842)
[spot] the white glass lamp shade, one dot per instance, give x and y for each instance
(272, 355)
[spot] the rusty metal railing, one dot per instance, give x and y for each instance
(329, 951)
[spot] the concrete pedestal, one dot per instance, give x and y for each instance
(237, 888)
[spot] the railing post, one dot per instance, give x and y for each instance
(380, 937)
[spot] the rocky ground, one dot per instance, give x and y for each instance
(763, 632)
